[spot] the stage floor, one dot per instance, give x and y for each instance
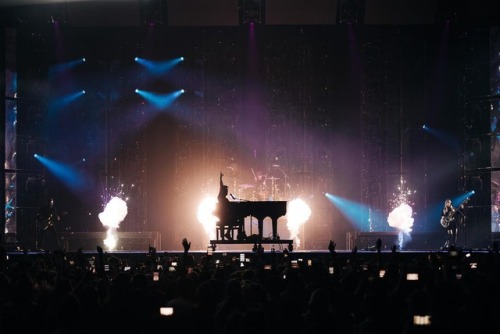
(268, 257)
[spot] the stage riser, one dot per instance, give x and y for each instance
(415, 241)
(127, 241)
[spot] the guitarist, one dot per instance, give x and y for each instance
(449, 222)
(47, 218)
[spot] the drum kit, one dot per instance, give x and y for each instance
(263, 191)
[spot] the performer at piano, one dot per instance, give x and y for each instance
(223, 210)
(449, 222)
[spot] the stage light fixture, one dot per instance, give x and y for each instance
(251, 11)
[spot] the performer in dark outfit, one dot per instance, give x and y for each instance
(449, 223)
(47, 219)
(223, 210)
(450, 218)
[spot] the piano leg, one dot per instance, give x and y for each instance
(241, 233)
(220, 232)
(227, 232)
(260, 226)
(275, 228)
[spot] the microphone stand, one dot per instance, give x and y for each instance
(286, 181)
(238, 199)
(464, 217)
(242, 227)
(463, 225)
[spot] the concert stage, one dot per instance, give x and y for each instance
(141, 241)
(136, 248)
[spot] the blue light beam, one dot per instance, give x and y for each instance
(58, 68)
(67, 174)
(65, 100)
(356, 213)
(158, 67)
(445, 138)
(160, 101)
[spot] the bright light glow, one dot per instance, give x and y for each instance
(401, 218)
(298, 212)
(114, 213)
(206, 216)
(111, 239)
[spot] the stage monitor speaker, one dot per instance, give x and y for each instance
(412, 241)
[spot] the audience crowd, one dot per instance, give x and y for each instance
(430, 292)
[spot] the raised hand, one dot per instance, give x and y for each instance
(186, 245)
(331, 246)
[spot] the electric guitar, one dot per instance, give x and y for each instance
(446, 220)
(51, 220)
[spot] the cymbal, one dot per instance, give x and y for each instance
(246, 186)
(272, 178)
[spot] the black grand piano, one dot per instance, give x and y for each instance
(239, 210)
